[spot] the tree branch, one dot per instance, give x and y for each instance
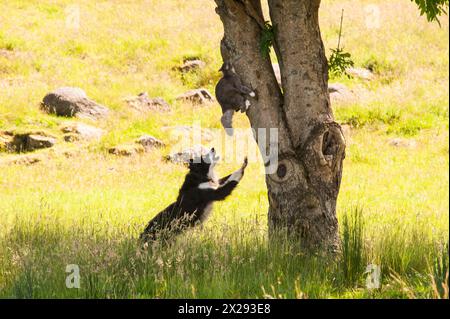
(254, 10)
(304, 81)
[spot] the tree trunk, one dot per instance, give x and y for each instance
(304, 189)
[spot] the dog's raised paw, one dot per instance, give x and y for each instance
(245, 163)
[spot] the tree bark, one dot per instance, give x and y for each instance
(303, 190)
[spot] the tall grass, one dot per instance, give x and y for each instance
(236, 262)
(352, 259)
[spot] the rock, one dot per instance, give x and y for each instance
(336, 88)
(144, 103)
(25, 142)
(26, 160)
(21, 160)
(28, 142)
(191, 65)
(189, 132)
(198, 96)
(127, 149)
(81, 131)
(35, 142)
(71, 137)
(185, 155)
(69, 101)
(149, 142)
(402, 142)
(339, 92)
(362, 73)
(143, 144)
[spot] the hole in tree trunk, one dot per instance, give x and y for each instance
(285, 170)
(281, 171)
(329, 144)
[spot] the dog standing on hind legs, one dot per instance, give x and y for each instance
(199, 191)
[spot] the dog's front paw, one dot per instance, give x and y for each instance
(244, 165)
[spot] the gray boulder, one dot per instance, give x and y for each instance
(69, 101)
(28, 142)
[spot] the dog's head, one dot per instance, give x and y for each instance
(204, 164)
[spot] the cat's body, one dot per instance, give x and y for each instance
(232, 95)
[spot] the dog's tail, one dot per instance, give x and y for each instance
(227, 121)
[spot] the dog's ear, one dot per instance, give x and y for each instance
(189, 163)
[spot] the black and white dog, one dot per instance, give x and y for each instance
(199, 191)
(232, 96)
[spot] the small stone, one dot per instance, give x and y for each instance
(127, 149)
(191, 65)
(149, 142)
(198, 96)
(71, 137)
(81, 131)
(143, 103)
(340, 92)
(337, 88)
(185, 155)
(24, 159)
(362, 73)
(402, 142)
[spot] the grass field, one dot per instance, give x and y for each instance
(88, 208)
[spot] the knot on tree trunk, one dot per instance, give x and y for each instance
(323, 154)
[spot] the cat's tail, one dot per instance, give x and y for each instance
(227, 120)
